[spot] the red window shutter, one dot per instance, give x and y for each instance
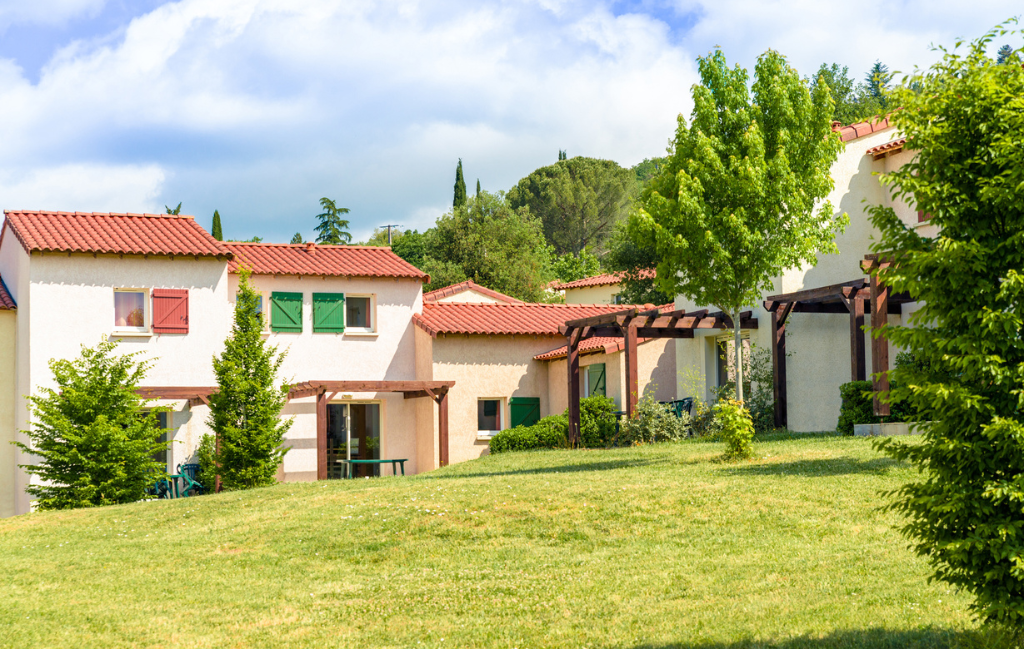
(922, 216)
(170, 311)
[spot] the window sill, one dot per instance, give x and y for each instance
(486, 437)
(131, 334)
(365, 334)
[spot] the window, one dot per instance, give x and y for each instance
(262, 299)
(488, 416)
(130, 312)
(286, 312)
(359, 314)
(328, 313)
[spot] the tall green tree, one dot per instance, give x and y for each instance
(245, 410)
(477, 186)
(964, 511)
(411, 246)
(648, 169)
(494, 245)
(848, 109)
(92, 434)
(741, 197)
(634, 264)
(460, 187)
(176, 210)
(218, 232)
(561, 154)
(877, 84)
(1006, 55)
(297, 238)
(569, 268)
(332, 229)
(578, 201)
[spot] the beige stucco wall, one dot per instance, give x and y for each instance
(8, 388)
(469, 295)
(14, 268)
(488, 366)
(656, 371)
(592, 295)
(819, 343)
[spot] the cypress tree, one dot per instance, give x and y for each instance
(245, 411)
(460, 187)
(218, 233)
(477, 186)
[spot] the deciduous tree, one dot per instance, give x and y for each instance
(739, 200)
(964, 510)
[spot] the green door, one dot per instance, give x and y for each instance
(525, 411)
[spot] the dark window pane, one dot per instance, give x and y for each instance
(488, 414)
(357, 312)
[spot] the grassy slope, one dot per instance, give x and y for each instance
(649, 547)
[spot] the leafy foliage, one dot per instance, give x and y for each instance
(410, 246)
(632, 261)
(569, 267)
(578, 201)
(847, 109)
(964, 512)
(653, 422)
(737, 429)
(549, 432)
(216, 230)
(494, 245)
(597, 421)
(332, 229)
(1007, 56)
(740, 199)
(876, 84)
(245, 411)
(649, 168)
(94, 441)
(297, 238)
(460, 187)
(857, 406)
(207, 459)
(760, 389)
(174, 210)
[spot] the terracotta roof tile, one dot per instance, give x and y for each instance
(6, 301)
(508, 319)
(134, 234)
(607, 279)
(468, 285)
(860, 129)
(888, 147)
(313, 259)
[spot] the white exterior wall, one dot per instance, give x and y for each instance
(819, 343)
(592, 294)
(470, 296)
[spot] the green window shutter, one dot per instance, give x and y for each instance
(525, 411)
(597, 381)
(286, 312)
(328, 312)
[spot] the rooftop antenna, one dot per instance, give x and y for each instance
(389, 226)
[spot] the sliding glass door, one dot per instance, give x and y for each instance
(353, 433)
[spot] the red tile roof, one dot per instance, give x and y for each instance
(6, 301)
(468, 285)
(496, 319)
(313, 259)
(888, 147)
(607, 279)
(133, 234)
(860, 129)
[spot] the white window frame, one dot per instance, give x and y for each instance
(265, 306)
(147, 309)
(502, 420)
(362, 331)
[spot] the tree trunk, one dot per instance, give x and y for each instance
(739, 355)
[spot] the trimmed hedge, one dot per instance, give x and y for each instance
(549, 432)
(857, 406)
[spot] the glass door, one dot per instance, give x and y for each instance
(353, 432)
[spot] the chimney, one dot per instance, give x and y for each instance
(310, 246)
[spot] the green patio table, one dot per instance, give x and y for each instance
(394, 465)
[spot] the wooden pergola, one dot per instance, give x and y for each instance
(633, 324)
(325, 391)
(857, 298)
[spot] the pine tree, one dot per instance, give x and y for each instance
(245, 411)
(297, 238)
(333, 229)
(1007, 55)
(561, 154)
(94, 440)
(877, 80)
(176, 210)
(478, 187)
(460, 187)
(218, 233)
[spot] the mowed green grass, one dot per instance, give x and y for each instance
(657, 546)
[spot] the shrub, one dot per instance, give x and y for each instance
(857, 406)
(761, 390)
(94, 442)
(597, 421)
(549, 432)
(653, 422)
(737, 429)
(205, 456)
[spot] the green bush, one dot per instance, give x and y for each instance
(597, 421)
(857, 406)
(207, 474)
(653, 422)
(737, 429)
(549, 432)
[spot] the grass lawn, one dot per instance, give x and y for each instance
(659, 546)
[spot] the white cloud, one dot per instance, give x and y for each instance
(84, 188)
(260, 107)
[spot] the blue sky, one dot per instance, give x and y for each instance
(258, 108)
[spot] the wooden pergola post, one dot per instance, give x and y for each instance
(572, 339)
(780, 313)
(321, 435)
(858, 369)
(879, 343)
(632, 375)
(442, 429)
